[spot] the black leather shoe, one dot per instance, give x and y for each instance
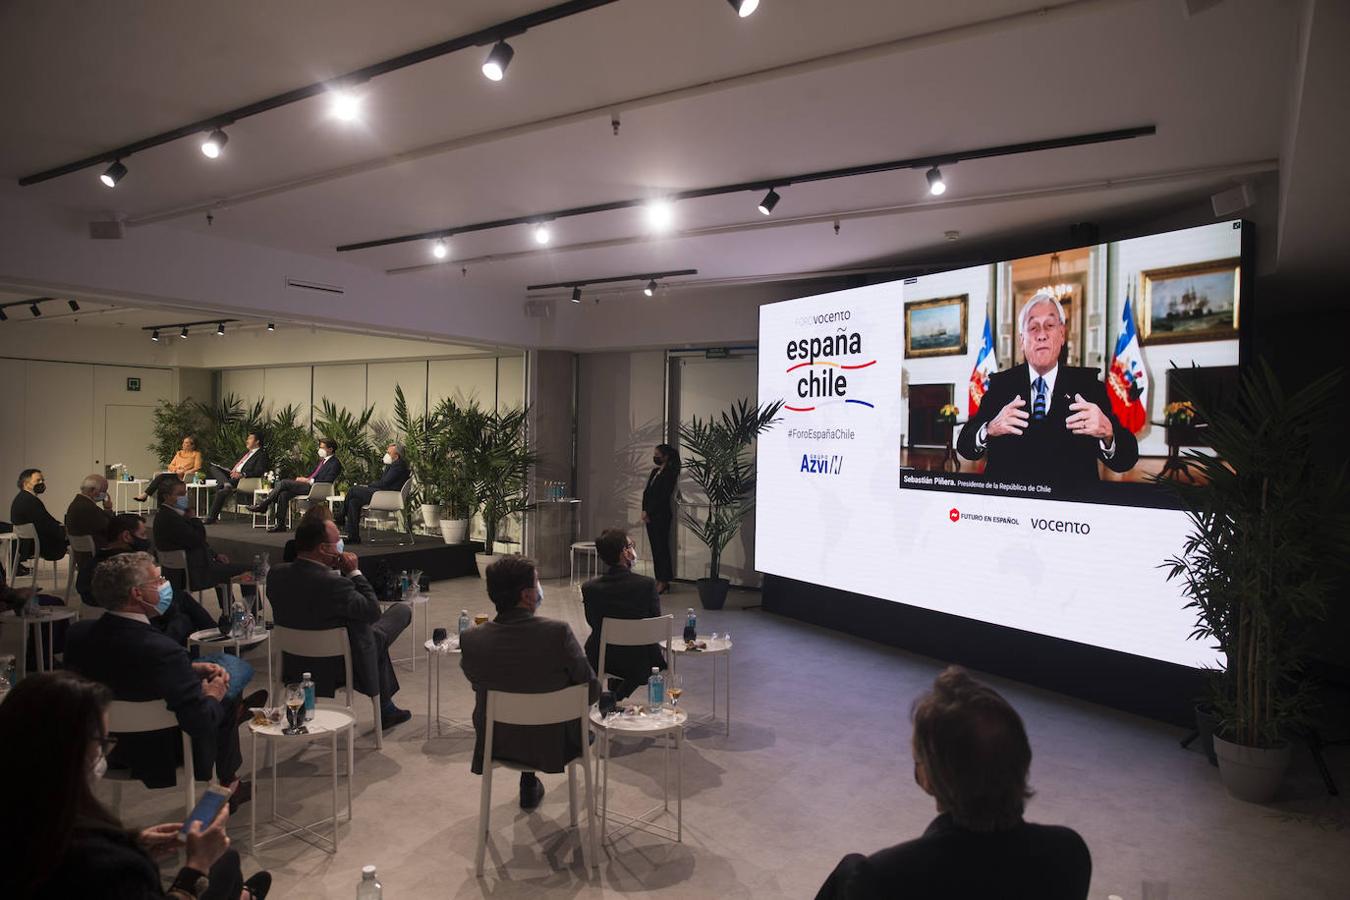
(277, 529)
(531, 791)
(395, 716)
(255, 508)
(259, 885)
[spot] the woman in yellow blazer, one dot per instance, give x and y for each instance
(184, 463)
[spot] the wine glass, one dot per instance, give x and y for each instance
(674, 687)
(295, 709)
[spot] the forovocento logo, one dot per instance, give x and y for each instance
(825, 382)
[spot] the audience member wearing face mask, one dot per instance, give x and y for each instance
(28, 509)
(177, 527)
(54, 731)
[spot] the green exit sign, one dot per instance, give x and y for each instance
(133, 384)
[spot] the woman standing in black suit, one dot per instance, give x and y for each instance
(658, 513)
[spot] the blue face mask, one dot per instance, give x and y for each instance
(340, 547)
(165, 598)
(181, 502)
(540, 602)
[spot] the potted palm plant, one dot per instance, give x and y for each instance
(718, 460)
(1268, 526)
(494, 448)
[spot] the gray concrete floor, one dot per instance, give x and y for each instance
(817, 765)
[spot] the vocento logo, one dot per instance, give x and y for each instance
(825, 382)
(822, 463)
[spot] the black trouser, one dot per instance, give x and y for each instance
(282, 494)
(658, 534)
(184, 616)
(358, 498)
(153, 487)
(328, 674)
(224, 491)
(226, 878)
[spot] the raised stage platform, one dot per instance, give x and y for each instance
(437, 559)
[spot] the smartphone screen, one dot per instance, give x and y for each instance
(206, 810)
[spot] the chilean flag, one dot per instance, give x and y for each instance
(985, 365)
(1126, 383)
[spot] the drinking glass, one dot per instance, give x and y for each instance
(295, 709)
(674, 688)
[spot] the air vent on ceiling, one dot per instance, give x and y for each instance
(314, 286)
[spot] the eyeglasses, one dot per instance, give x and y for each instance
(106, 743)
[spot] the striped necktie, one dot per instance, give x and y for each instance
(1038, 405)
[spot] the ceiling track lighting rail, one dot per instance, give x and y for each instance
(491, 35)
(587, 282)
(217, 322)
(33, 307)
(773, 184)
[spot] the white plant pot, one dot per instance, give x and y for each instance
(454, 530)
(431, 515)
(1253, 774)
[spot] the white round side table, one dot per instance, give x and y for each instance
(327, 723)
(720, 648)
(667, 723)
(211, 637)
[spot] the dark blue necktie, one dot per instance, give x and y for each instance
(1038, 405)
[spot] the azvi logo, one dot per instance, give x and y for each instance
(955, 514)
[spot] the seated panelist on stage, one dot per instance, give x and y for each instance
(252, 464)
(326, 472)
(396, 473)
(1042, 422)
(621, 593)
(28, 509)
(972, 756)
(185, 463)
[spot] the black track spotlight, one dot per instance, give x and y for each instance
(214, 143)
(744, 7)
(113, 174)
(154, 335)
(183, 334)
(650, 289)
(769, 202)
(74, 307)
(35, 310)
(220, 330)
(3, 317)
(271, 326)
(936, 186)
(498, 58)
(576, 295)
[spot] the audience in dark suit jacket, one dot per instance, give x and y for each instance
(310, 594)
(328, 471)
(972, 755)
(122, 650)
(396, 474)
(177, 527)
(621, 593)
(524, 653)
(90, 513)
(28, 509)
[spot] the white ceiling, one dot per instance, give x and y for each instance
(1217, 86)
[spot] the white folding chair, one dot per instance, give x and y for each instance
(176, 561)
(385, 505)
(79, 543)
(243, 494)
(635, 632)
(127, 717)
(319, 492)
(328, 643)
(29, 533)
(571, 704)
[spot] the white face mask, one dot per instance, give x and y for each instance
(539, 602)
(323, 454)
(101, 498)
(388, 460)
(100, 768)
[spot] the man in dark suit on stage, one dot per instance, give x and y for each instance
(324, 589)
(621, 593)
(396, 473)
(1046, 423)
(252, 464)
(28, 509)
(524, 653)
(125, 652)
(327, 471)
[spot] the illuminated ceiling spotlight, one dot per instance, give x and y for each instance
(344, 105)
(542, 235)
(650, 289)
(498, 58)
(220, 330)
(113, 174)
(183, 334)
(660, 214)
(154, 335)
(35, 310)
(936, 186)
(271, 326)
(214, 143)
(576, 295)
(74, 307)
(440, 249)
(744, 7)
(769, 202)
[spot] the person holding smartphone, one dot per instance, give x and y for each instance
(54, 730)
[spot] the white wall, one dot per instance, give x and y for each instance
(467, 380)
(954, 370)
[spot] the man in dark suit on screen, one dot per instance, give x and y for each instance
(1042, 422)
(621, 593)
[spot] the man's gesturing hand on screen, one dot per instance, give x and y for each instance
(1089, 420)
(1011, 419)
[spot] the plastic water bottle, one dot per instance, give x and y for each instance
(656, 689)
(403, 585)
(237, 613)
(464, 621)
(307, 685)
(690, 625)
(369, 888)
